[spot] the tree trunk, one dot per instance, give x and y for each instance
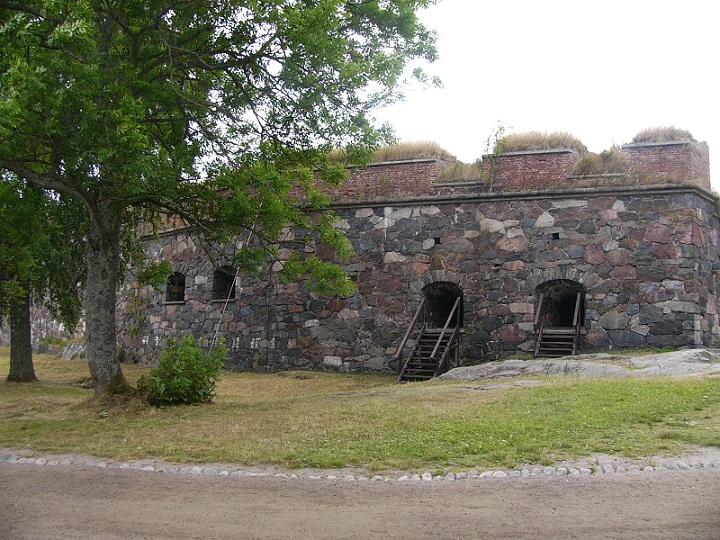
(103, 260)
(21, 362)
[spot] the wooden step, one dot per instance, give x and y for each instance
(420, 365)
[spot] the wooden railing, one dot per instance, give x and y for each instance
(539, 324)
(448, 334)
(420, 311)
(576, 323)
(453, 337)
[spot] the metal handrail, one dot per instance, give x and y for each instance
(405, 339)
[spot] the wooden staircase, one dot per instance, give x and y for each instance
(557, 341)
(433, 348)
(420, 364)
(554, 342)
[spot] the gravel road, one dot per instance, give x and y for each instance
(78, 502)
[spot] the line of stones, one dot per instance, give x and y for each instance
(425, 477)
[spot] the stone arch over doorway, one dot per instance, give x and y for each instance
(557, 300)
(440, 296)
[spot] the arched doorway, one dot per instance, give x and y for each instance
(559, 317)
(559, 300)
(440, 298)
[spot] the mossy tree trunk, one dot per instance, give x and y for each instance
(21, 362)
(103, 259)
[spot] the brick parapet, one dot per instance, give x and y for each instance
(390, 180)
(538, 169)
(683, 162)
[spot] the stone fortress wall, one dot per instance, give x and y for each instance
(642, 246)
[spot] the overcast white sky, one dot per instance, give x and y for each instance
(602, 71)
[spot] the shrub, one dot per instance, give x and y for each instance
(185, 375)
(663, 134)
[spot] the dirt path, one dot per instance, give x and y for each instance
(90, 503)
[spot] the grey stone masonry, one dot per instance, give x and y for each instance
(646, 258)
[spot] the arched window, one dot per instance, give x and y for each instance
(175, 288)
(223, 287)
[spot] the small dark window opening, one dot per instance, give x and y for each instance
(437, 241)
(224, 283)
(175, 288)
(555, 236)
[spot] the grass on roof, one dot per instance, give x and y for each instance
(610, 161)
(411, 150)
(403, 151)
(663, 134)
(462, 172)
(536, 140)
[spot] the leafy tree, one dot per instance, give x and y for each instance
(40, 262)
(196, 109)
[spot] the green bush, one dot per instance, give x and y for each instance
(185, 375)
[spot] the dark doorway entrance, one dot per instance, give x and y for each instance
(558, 301)
(440, 298)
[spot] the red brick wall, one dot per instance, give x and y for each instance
(673, 162)
(647, 163)
(401, 179)
(533, 170)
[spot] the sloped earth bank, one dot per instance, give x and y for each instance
(92, 503)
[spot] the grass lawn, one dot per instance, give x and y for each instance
(308, 419)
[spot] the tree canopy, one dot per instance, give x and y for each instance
(217, 111)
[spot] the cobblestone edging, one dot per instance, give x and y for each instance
(606, 469)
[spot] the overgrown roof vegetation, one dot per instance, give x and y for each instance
(403, 151)
(663, 134)
(462, 172)
(610, 161)
(536, 140)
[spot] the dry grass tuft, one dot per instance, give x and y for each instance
(397, 152)
(338, 155)
(606, 162)
(411, 150)
(462, 172)
(663, 134)
(536, 140)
